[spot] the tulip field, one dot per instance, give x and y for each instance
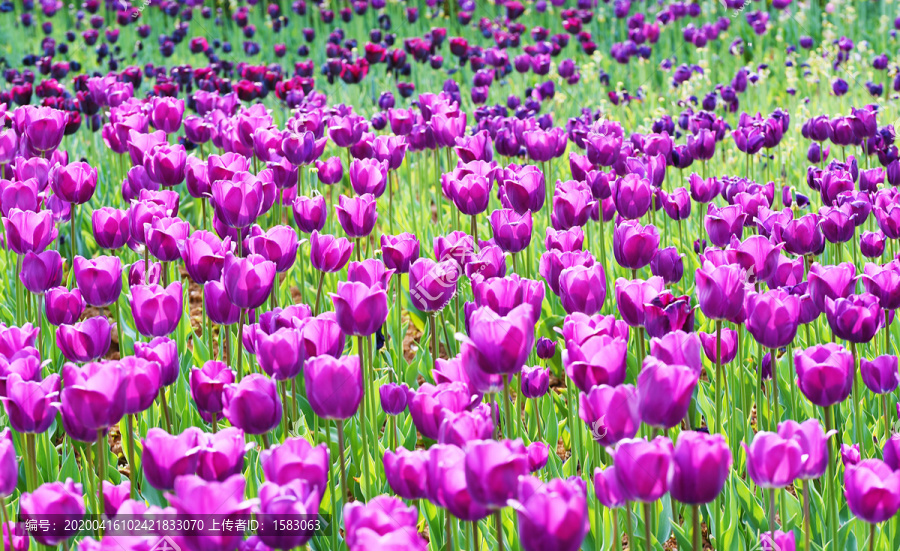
(481, 275)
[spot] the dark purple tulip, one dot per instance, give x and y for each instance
(512, 231)
(499, 344)
(74, 183)
(157, 310)
(41, 271)
(296, 459)
(571, 207)
(470, 193)
(31, 406)
(872, 490)
(729, 345)
(803, 236)
(888, 219)
(643, 468)
(432, 284)
(607, 488)
(856, 318)
(238, 201)
(525, 189)
(253, 404)
(703, 191)
(368, 176)
(143, 378)
(632, 196)
(360, 310)
(111, 227)
(721, 290)
(773, 317)
(357, 215)
(633, 296)
(535, 381)
(545, 348)
(723, 223)
(208, 386)
(598, 360)
(84, 341)
(837, 223)
(280, 354)
(880, 375)
(394, 398)
(330, 171)
(665, 392)
(603, 149)
(824, 373)
(833, 183)
(871, 245)
(668, 264)
(310, 213)
(278, 245)
(831, 282)
(248, 281)
(582, 289)
(60, 500)
(612, 414)
(814, 443)
(772, 460)
(700, 465)
(634, 245)
(335, 386)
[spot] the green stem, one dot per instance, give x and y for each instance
(507, 406)
(833, 519)
(698, 536)
(499, 525)
(647, 520)
(101, 475)
(240, 345)
(857, 416)
(628, 529)
(364, 426)
(132, 465)
(319, 293)
(806, 523)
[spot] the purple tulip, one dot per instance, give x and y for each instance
(41, 271)
(360, 310)
(406, 472)
(163, 351)
(856, 318)
(85, 341)
(831, 282)
(773, 461)
(28, 231)
(872, 490)
(643, 468)
(611, 413)
(552, 515)
(221, 454)
(773, 317)
(195, 498)
(512, 231)
(204, 256)
(208, 386)
(665, 392)
(95, 394)
(432, 284)
(335, 386)
(499, 344)
(700, 465)
(721, 290)
(728, 345)
(813, 442)
(880, 374)
(157, 310)
(394, 398)
(253, 404)
(310, 213)
(824, 373)
(31, 406)
(329, 253)
(60, 500)
(248, 281)
(357, 215)
(111, 227)
(634, 246)
(492, 471)
(99, 279)
(598, 360)
(582, 289)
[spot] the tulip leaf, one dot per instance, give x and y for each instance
(755, 514)
(664, 523)
(683, 536)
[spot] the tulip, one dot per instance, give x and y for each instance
(310, 213)
(824, 374)
(728, 345)
(572, 207)
(208, 387)
(357, 216)
(280, 504)
(511, 231)
(773, 318)
(665, 392)
(803, 236)
(552, 515)
(406, 472)
(41, 271)
(856, 318)
(99, 280)
(253, 404)
(335, 386)
(394, 398)
(633, 196)
(28, 231)
(850, 455)
(499, 344)
(722, 224)
(668, 264)
(831, 282)
(773, 461)
(238, 201)
(381, 516)
(84, 341)
(360, 310)
(221, 454)
(432, 284)
(399, 252)
(872, 490)
(164, 237)
(163, 351)
(644, 468)
(700, 465)
(31, 406)
(470, 193)
(204, 256)
(598, 360)
(461, 429)
(166, 164)
(582, 289)
(297, 459)
(60, 500)
(218, 306)
(634, 246)
(248, 281)
(157, 310)
(611, 413)
(880, 375)
(535, 382)
(95, 395)
(278, 244)
(813, 443)
(9, 467)
(111, 227)
(777, 541)
(195, 498)
(280, 354)
(492, 471)
(720, 290)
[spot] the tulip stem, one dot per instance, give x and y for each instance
(284, 418)
(72, 223)
(398, 336)
(647, 519)
(129, 424)
(164, 406)
(775, 414)
(363, 415)
(342, 464)
(215, 423)
(434, 341)
(628, 529)
(887, 417)
(806, 527)
(772, 515)
(696, 533)
(240, 344)
(319, 293)
(872, 537)
(833, 519)
(89, 468)
(294, 413)
(101, 467)
(499, 525)
(507, 407)
(719, 378)
(475, 229)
